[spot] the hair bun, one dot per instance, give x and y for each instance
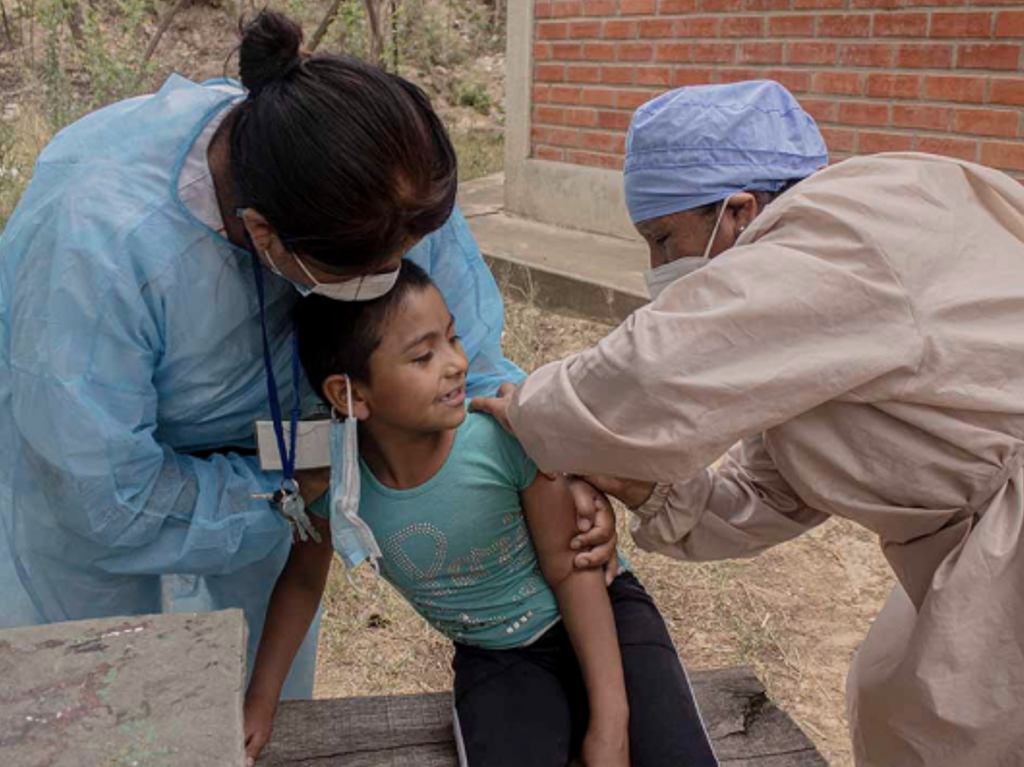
(270, 48)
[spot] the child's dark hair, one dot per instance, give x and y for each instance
(347, 162)
(339, 336)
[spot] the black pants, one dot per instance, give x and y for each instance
(528, 706)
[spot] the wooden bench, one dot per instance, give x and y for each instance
(747, 729)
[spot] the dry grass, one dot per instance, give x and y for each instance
(795, 613)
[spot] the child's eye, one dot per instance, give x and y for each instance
(423, 359)
(455, 340)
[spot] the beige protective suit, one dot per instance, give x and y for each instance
(862, 346)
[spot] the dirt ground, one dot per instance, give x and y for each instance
(796, 613)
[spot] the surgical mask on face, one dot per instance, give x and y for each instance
(363, 288)
(351, 537)
(660, 278)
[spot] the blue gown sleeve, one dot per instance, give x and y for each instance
(452, 258)
(85, 414)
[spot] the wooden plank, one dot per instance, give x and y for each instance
(747, 729)
(153, 690)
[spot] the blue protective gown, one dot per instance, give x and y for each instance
(129, 343)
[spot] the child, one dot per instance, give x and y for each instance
(549, 662)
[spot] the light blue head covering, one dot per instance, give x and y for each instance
(697, 145)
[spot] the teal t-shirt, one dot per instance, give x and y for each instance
(457, 547)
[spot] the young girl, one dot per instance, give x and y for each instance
(550, 663)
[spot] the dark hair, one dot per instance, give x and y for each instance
(340, 336)
(346, 161)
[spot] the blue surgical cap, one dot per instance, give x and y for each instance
(698, 145)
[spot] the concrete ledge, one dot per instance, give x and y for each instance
(563, 270)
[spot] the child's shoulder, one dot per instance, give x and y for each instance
(485, 441)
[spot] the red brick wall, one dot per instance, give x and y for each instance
(941, 76)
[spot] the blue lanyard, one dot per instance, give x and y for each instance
(288, 483)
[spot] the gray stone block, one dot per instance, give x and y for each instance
(145, 691)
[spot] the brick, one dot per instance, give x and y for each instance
(735, 74)
(893, 86)
(599, 7)
(555, 136)
(542, 51)
(581, 117)
(844, 25)
(987, 122)
(617, 29)
(900, 24)
(988, 56)
(1010, 24)
(923, 116)
(552, 30)
(566, 94)
(954, 88)
(796, 80)
(554, 73)
(632, 99)
(673, 52)
(863, 113)
(613, 120)
(924, 56)
(818, 4)
(960, 25)
(613, 75)
(1004, 155)
(866, 55)
(697, 26)
(564, 8)
(767, 5)
(567, 51)
(811, 53)
(599, 51)
(822, 110)
(691, 76)
(760, 53)
(542, 9)
(653, 76)
(721, 6)
(718, 53)
(839, 139)
(541, 94)
(599, 97)
(548, 115)
(742, 26)
(872, 142)
(583, 73)
(584, 29)
(603, 142)
(677, 6)
(791, 26)
(549, 153)
(628, 7)
(839, 83)
(656, 28)
(965, 149)
(1008, 91)
(595, 159)
(635, 52)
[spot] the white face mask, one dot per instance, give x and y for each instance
(364, 288)
(351, 537)
(660, 278)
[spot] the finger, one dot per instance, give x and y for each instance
(595, 557)
(611, 571)
(483, 405)
(604, 483)
(585, 500)
(506, 390)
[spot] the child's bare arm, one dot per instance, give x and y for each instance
(293, 606)
(587, 613)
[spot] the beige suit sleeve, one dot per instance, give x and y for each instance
(771, 329)
(736, 510)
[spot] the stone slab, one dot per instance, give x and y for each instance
(145, 691)
(559, 269)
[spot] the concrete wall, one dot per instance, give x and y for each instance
(942, 76)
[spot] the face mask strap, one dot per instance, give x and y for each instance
(714, 231)
(348, 396)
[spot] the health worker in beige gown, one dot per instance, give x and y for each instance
(856, 344)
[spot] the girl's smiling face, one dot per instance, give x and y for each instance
(418, 372)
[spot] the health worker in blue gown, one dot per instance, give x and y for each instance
(132, 365)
